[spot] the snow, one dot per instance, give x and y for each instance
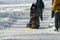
(14, 18)
(28, 34)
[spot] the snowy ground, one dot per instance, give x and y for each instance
(14, 18)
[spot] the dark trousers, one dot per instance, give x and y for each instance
(40, 11)
(57, 20)
(41, 15)
(34, 22)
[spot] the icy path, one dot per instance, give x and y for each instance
(18, 30)
(28, 34)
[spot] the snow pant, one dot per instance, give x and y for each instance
(40, 11)
(57, 20)
(41, 15)
(34, 22)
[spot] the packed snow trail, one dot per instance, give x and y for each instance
(18, 30)
(16, 17)
(28, 34)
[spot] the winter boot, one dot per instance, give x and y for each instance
(56, 30)
(37, 26)
(28, 25)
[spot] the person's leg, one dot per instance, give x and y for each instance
(33, 22)
(56, 22)
(37, 23)
(30, 22)
(41, 15)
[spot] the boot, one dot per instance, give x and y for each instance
(37, 26)
(56, 30)
(28, 26)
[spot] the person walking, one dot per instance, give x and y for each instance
(33, 17)
(40, 7)
(35, 14)
(56, 13)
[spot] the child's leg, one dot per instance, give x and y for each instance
(30, 24)
(34, 22)
(37, 23)
(58, 23)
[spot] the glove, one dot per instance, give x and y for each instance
(52, 15)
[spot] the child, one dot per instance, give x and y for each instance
(34, 19)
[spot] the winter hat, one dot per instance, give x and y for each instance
(33, 5)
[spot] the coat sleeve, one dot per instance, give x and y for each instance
(54, 5)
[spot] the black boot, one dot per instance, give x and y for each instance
(56, 30)
(37, 26)
(28, 25)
